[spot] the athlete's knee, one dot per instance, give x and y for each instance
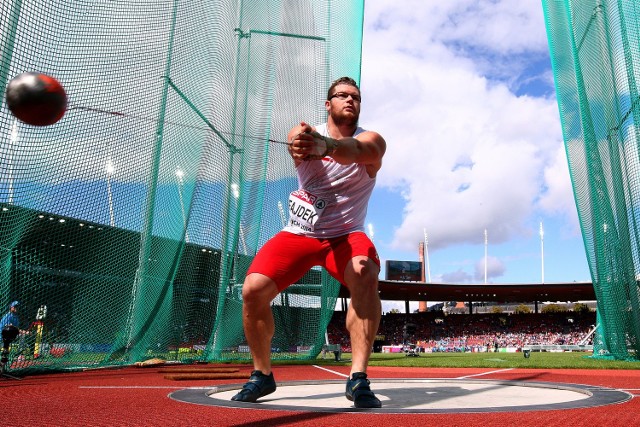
(362, 272)
(258, 288)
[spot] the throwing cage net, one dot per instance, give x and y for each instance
(127, 227)
(595, 52)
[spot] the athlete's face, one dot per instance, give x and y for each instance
(344, 105)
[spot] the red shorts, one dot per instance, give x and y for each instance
(286, 257)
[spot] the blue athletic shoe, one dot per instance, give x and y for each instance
(360, 393)
(258, 385)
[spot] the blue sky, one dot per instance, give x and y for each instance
(463, 93)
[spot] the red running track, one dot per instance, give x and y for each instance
(139, 397)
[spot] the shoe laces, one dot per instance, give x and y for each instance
(360, 382)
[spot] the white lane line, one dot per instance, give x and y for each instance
(486, 373)
(332, 371)
(144, 387)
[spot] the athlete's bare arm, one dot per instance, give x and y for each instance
(367, 148)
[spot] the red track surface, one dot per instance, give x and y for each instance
(139, 397)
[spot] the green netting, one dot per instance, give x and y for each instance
(134, 218)
(595, 50)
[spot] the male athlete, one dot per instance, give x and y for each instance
(336, 163)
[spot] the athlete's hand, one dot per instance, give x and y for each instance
(301, 141)
(322, 146)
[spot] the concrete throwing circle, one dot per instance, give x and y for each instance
(406, 395)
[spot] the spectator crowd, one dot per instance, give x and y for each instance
(437, 332)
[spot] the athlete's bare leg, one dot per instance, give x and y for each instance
(257, 318)
(365, 309)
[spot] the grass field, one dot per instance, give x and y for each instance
(542, 360)
(536, 360)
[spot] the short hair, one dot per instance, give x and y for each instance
(341, 81)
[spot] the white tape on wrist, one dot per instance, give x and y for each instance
(332, 145)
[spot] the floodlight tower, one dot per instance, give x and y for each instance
(13, 141)
(426, 255)
(180, 177)
(110, 169)
(283, 217)
(235, 189)
(486, 243)
(542, 251)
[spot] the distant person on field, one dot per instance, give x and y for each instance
(11, 317)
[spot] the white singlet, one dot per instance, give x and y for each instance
(331, 199)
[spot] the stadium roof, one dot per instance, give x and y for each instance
(391, 290)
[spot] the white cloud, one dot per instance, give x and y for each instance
(464, 150)
(558, 198)
(416, 26)
(457, 276)
(387, 306)
(502, 26)
(495, 268)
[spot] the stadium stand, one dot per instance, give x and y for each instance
(437, 332)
